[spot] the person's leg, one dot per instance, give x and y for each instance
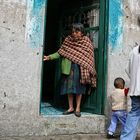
(122, 115)
(70, 101)
(113, 124)
(78, 102)
(70, 109)
(130, 129)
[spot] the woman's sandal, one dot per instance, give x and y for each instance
(77, 114)
(67, 112)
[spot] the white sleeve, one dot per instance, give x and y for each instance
(127, 69)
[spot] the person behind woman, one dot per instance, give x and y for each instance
(78, 68)
(132, 122)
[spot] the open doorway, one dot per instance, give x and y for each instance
(60, 15)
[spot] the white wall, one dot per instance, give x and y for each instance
(20, 72)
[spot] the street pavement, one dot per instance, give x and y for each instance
(62, 137)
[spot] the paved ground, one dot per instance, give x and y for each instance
(62, 137)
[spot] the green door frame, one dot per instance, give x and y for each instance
(103, 43)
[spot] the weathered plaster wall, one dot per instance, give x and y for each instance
(21, 33)
(19, 68)
(123, 33)
(35, 22)
(131, 26)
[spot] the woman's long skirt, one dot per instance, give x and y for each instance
(70, 84)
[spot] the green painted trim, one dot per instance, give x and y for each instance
(45, 15)
(105, 56)
(103, 32)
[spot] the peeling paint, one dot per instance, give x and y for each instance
(115, 23)
(35, 22)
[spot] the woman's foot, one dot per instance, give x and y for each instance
(69, 111)
(77, 113)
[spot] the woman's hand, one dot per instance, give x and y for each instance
(46, 58)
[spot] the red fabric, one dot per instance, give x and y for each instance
(126, 90)
(81, 52)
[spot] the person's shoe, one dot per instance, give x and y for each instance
(67, 112)
(111, 136)
(77, 114)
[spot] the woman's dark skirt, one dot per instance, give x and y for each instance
(70, 84)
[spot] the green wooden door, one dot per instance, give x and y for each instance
(94, 18)
(95, 102)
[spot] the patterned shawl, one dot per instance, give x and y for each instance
(80, 51)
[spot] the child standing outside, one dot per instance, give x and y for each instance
(118, 100)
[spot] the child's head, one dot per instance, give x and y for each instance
(119, 83)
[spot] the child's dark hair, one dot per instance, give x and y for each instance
(78, 27)
(118, 82)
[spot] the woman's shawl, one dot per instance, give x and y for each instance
(81, 52)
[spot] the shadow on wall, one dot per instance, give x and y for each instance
(138, 20)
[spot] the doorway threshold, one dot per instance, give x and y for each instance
(49, 109)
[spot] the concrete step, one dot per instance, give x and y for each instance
(70, 124)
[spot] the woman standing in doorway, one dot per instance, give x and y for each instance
(78, 68)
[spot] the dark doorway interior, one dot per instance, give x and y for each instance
(57, 22)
